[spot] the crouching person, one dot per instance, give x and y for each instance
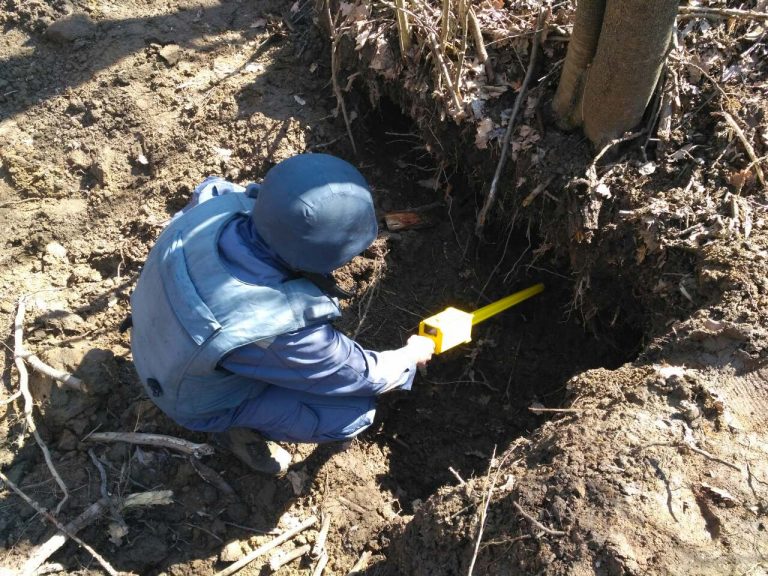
(232, 314)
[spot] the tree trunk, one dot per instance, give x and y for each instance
(630, 55)
(581, 51)
(613, 63)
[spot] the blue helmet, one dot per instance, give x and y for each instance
(315, 211)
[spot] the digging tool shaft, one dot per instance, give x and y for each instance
(494, 308)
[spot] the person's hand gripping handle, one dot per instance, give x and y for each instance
(420, 349)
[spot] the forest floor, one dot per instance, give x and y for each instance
(650, 336)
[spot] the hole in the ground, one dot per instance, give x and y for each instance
(478, 395)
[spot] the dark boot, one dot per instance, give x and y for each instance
(255, 451)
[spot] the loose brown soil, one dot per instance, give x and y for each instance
(652, 330)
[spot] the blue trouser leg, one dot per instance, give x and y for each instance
(292, 416)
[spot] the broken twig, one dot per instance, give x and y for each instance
(536, 523)
(261, 550)
(482, 216)
(87, 517)
(490, 483)
(62, 376)
(320, 566)
(52, 519)
(334, 38)
(319, 547)
(747, 146)
(279, 560)
(18, 338)
(361, 564)
(156, 440)
(722, 12)
(482, 53)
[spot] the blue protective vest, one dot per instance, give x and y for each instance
(189, 311)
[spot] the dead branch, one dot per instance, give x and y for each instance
(62, 376)
(722, 12)
(453, 90)
(95, 511)
(691, 446)
(40, 510)
(482, 53)
(51, 568)
(320, 566)
(212, 477)
(457, 476)
(18, 340)
(536, 523)
(261, 550)
(105, 492)
(10, 398)
(156, 440)
(361, 564)
(403, 28)
(556, 410)
(505, 144)
(747, 146)
(490, 483)
(319, 547)
(279, 560)
(334, 38)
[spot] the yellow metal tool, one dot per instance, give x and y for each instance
(452, 326)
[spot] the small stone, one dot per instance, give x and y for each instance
(56, 250)
(71, 28)
(232, 552)
(171, 53)
(79, 160)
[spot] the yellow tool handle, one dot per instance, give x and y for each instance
(499, 306)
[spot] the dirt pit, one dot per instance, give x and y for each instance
(111, 115)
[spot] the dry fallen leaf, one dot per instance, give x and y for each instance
(484, 129)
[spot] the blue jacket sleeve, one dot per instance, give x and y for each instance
(321, 360)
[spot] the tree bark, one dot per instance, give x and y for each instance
(630, 54)
(581, 51)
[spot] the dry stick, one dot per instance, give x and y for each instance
(536, 523)
(156, 440)
(403, 27)
(505, 146)
(212, 477)
(463, 11)
(51, 568)
(62, 376)
(87, 517)
(443, 67)
(335, 77)
(261, 550)
(18, 339)
(747, 146)
(320, 566)
(482, 53)
(445, 23)
(279, 560)
(592, 169)
(361, 564)
(59, 525)
(319, 548)
(483, 512)
(723, 12)
(691, 446)
(10, 398)
(457, 476)
(557, 410)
